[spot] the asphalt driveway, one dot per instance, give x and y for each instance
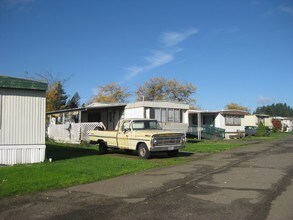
(252, 182)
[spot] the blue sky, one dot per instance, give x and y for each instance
(232, 51)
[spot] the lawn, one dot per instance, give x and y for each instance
(72, 165)
(78, 164)
(210, 146)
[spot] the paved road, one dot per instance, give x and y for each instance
(252, 182)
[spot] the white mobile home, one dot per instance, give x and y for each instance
(230, 123)
(257, 119)
(172, 116)
(22, 120)
(72, 125)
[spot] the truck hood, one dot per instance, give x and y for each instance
(150, 133)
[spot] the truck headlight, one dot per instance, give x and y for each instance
(183, 140)
(154, 142)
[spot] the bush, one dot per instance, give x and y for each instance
(262, 130)
(277, 125)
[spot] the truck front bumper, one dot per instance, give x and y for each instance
(166, 148)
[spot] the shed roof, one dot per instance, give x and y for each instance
(18, 83)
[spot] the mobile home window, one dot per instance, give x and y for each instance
(170, 115)
(163, 115)
(176, 115)
(166, 115)
(158, 114)
(233, 120)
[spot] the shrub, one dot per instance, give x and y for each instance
(262, 130)
(277, 125)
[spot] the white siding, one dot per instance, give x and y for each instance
(22, 130)
(268, 122)
(19, 154)
(134, 112)
(23, 117)
(185, 117)
(229, 130)
(250, 120)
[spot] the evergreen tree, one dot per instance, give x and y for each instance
(279, 109)
(74, 101)
(56, 98)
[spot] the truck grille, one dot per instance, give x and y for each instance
(163, 141)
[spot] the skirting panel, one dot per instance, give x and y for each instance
(22, 154)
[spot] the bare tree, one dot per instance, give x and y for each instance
(235, 106)
(159, 88)
(111, 93)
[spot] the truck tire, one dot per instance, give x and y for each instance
(172, 153)
(103, 148)
(143, 151)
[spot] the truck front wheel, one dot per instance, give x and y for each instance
(143, 151)
(103, 148)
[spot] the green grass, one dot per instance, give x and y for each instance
(210, 146)
(207, 146)
(72, 165)
(78, 164)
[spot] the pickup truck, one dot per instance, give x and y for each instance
(143, 135)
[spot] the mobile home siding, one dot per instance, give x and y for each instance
(22, 129)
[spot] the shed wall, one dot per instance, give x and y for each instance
(23, 117)
(22, 128)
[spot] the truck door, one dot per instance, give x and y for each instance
(122, 136)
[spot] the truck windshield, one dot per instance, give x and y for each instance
(146, 125)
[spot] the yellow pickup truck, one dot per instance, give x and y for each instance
(144, 135)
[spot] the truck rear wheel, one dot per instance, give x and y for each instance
(103, 148)
(143, 151)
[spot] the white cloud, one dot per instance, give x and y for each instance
(158, 58)
(170, 39)
(161, 57)
(264, 100)
(286, 9)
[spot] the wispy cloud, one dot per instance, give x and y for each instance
(163, 56)
(286, 9)
(170, 39)
(20, 5)
(264, 100)
(158, 58)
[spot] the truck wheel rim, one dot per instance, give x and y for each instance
(142, 151)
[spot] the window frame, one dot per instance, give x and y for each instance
(165, 115)
(235, 120)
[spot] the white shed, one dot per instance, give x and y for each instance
(22, 120)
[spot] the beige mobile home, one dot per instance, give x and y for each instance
(22, 121)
